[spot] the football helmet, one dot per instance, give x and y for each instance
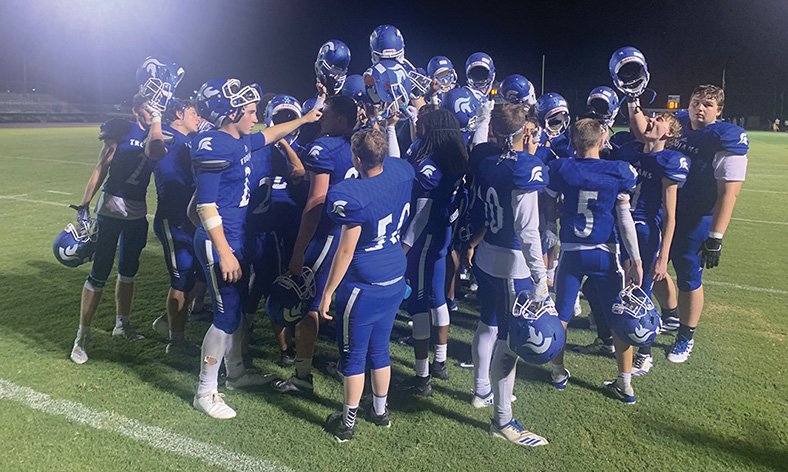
(386, 42)
(465, 105)
(419, 80)
(285, 305)
(629, 71)
(76, 244)
(354, 88)
(280, 109)
(603, 105)
(388, 86)
(219, 98)
(552, 111)
(157, 79)
(333, 60)
(480, 72)
(635, 319)
(308, 104)
(518, 90)
(535, 332)
(440, 68)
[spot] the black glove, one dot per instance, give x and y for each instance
(710, 252)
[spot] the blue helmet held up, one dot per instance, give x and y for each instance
(480, 72)
(386, 42)
(464, 104)
(552, 111)
(331, 65)
(629, 71)
(518, 90)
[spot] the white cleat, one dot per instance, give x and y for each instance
(162, 326)
(78, 353)
(127, 331)
(213, 405)
(514, 432)
(642, 364)
(485, 401)
(248, 380)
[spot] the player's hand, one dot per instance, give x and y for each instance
(710, 252)
(550, 236)
(660, 271)
(467, 259)
(325, 304)
(313, 115)
(391, 121)
(231, 269)
(540, 292)
(321, 89)
(296, 265)
(83, 213)
(634, 271)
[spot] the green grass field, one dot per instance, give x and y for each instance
(129, 407)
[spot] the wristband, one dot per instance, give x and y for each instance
(715, 235)
(156, 118)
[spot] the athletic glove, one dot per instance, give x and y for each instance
(710, 252)
(550, 236)
(540, 291)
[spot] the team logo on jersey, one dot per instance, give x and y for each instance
(743, 139)
(463, 105)
(537, 342)
(536, 175)
(683, 164)
(205, 145)
(428, 170)
(314, 151)
(339, 208)
(640, 335)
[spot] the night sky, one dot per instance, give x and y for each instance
(88, 50)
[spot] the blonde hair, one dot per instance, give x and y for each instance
(586, 134)
(674, 126)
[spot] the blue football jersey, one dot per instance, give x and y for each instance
(699, 194)
(380, 205)
(445, 193)
(173, 176)
(495, 181)
(229, 159)
(652, 167)
(129, 173)
(590, 188)
(329, 155)
(561, 145)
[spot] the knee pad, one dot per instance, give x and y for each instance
(440, 315)
(421, 326)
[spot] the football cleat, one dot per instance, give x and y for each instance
(467, 364)
(482, 401)
(552, 111)
(182, 348)
(295, 385)
(682, 348)
(642, 364)
(383, 420)
(536, 333)
(127, 331)
(635, 319)
(162, 326)
(421, 386)
(247, 380)
(560, 381)
(514, 432)
(439, 370)
(287, 358)
(335, 425)
(598, 347)
(78, 353)
(625, 394)
(331, 65)
(213, 405)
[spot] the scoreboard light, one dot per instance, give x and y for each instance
(673, 102)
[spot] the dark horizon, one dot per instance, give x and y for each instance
(87, 51)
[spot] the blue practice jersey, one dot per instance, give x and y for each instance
(129, 172)
(329, 155)
(173, 177)
(590, 188)
(699, 194)
(380, 205)
(223, 169)
(495, 181)
(561, 145)
(652, 167)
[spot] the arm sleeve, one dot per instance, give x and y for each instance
(626, 227)
(730, 167)
(482, 131)
(421, 216)
(391, 138)
(525, 208)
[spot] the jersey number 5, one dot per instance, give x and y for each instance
(583, 198)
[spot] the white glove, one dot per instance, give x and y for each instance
(540, 292)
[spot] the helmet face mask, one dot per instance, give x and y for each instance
(388, 87)
(552, 112)
(557, 123)
(285, 305)
(634, 317)
(331, 65)
(219, 98)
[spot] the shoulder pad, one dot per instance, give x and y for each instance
(211, 165)
(115, 130)
(169, 137)
(733, 139)
(342, 207)
(529, 174)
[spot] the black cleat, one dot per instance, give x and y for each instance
(439, 370)
(335, 425)
(421, 386)
(378, 420)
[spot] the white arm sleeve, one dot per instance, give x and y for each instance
(626, 228)
(482, 131)
(525, 208)
(391, 137)
(420, 218)
(730, 167)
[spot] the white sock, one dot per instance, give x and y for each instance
(83, 331)
(482, 348)
(303, 367)
(214, 345)
(503, 370)
(379, 403)
(625, 378)
(349, 415)
(422, 367)
(440, 352)
(233, 357)
(121, 320)
(558, 369)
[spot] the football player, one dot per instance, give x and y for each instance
(596, 199)
(125, 171)
(174, 187)
(440, 162)
(368, 274)
(508, 260)
(328, 161)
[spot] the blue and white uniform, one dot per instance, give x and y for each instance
(174, 188)
(652, 167)
(509, 257)
(372, 289)
(327, 155)
(589, 248)
(717, 152)
(121, 208)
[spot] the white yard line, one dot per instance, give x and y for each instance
(766, 222)
(58, 192)
(57, 161)
(153, 436)
(764, 191)
(21, 198)
(775, 291)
